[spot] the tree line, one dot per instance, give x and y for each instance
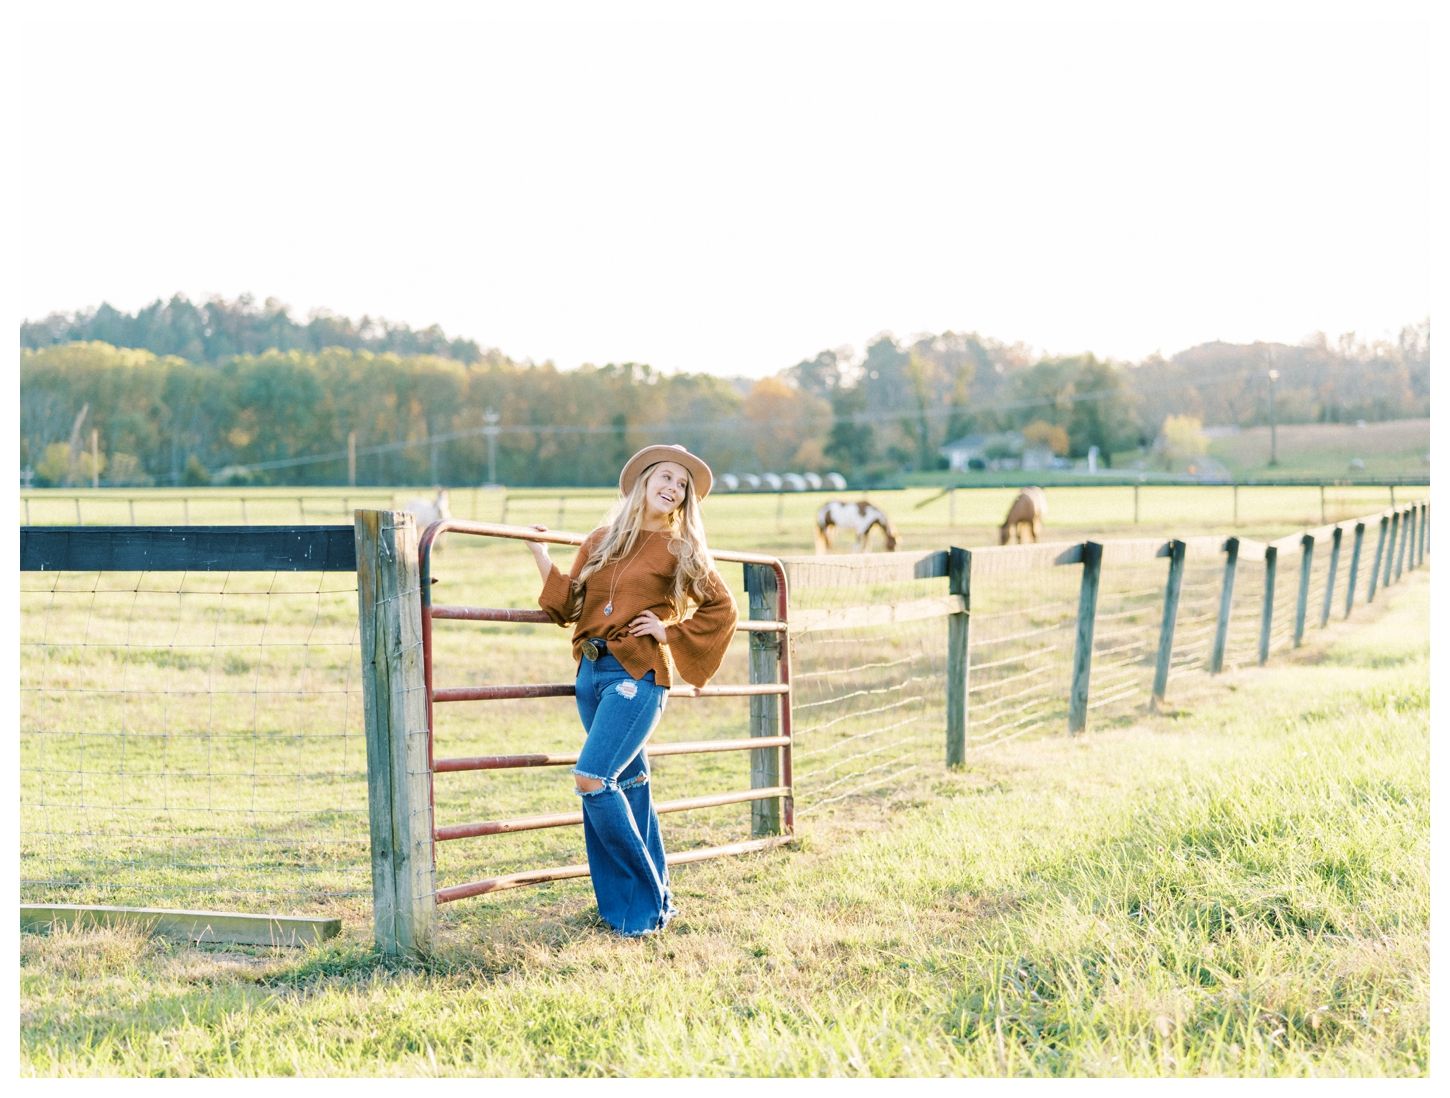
(218, 329)
(287, 416)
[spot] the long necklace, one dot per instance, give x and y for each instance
(614, 579)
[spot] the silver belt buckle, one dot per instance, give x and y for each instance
(590, 651)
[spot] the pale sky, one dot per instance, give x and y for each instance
(733, 196)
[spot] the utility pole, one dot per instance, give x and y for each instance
(1273, 421)
(490, 431)
(352, 459)
(95, 458)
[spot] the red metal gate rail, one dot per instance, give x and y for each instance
(563, 690)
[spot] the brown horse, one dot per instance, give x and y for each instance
(1029, 509)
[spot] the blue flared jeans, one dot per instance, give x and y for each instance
(621, 830)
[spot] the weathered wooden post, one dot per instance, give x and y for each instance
(1424, 531)
(1082, 656)
(1379, 550)
(1420, 534)
(395, 714)
(760, 586)
(1266, 620)
(1353, 567)
(1225, 606)
(1407, 537)
(1390, 550)
(1176, 551)
(1301, 608)
(1337, 537)
(1407, 553)
(959, 658)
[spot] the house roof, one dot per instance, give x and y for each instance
(977, 443)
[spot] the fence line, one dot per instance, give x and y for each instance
(1036, 637)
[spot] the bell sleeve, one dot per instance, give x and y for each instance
(554, 599)
(698, 643)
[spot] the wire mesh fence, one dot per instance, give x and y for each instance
(869, 695)
(196, 739)
(192, 739)
(1020, 650)
(1125, 640)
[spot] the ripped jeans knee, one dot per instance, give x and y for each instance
(600, 785)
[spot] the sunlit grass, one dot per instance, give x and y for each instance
(1238, 887)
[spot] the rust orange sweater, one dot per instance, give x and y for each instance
(696, 644)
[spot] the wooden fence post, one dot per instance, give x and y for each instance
(1353, 567)
(1407, 550)
(1177, 550)
(1407, 534)
(959, 657)
(1082, 656)
(1225, 605)
(1424, 532)
(760, 586)
(1301, 607)
(1338, 537)
(1379, 550)
(1266, 621)
(1390, 550)
(395, 713)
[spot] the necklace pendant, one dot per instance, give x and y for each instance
(608, 608)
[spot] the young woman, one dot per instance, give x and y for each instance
(628, 589)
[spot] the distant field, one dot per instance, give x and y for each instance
(923, 516)
(1393, 448)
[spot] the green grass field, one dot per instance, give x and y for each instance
(925, 518)
(1392, 448)
(1239, 886)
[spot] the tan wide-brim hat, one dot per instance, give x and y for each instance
(700, 473)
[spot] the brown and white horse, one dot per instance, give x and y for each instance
(859, 518)
(1028, 509)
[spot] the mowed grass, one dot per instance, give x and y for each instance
(1392, 448)
(1237, 887)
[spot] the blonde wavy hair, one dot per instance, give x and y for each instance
(687, 542)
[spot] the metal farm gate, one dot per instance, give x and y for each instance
(401, 697)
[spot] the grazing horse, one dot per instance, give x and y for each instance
(1028, 509)
(856, 517)
(428, 511)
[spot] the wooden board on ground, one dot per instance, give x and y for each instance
(230, 927)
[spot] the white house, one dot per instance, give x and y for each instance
(1003, 450)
